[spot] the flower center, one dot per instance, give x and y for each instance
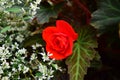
(60, 41)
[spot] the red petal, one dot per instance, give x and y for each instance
(69, 49)
(55, 55)
(48, 31)
(66, 28)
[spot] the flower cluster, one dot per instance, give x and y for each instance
(17, 62)
(14, 63)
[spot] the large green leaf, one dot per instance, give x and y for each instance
(107, 14)
(48, 11)
(83, 53)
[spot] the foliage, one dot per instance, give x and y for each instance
(108, 14)
(106, 20)
(22, 49)
(48, 11)
(17, 59)
(83, 53)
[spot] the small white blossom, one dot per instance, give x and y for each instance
(44, 57)
(37, 2)
(15, 46)
(22, 51)
(14, 70)
(5, 65)
(33, 47)
(38, 45)
(25, 69)
(1, 70)
(20, 67)
(33, 57)
(49, 54)
(9, 74)
(5, 78)
(14, 58)
(20, 38)
(56, 67)
(42, 69)
(19, 2)
(34, 6)
(50, 74)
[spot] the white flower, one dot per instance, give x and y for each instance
(14, 70)
(14, 59)
(40, 78)
(20, 38)
(44, 57)
(33, 12)
(22, 51)
(15, 46)
(18, 1)
(5, 65)
(33, 6)
(20, 67)
(25, 69)
(37, 2)
(56, 67)
(49, 54)
(50, 74)
(1, 49)
(33, 47)
(36, 46)
(9, 74)
(42, 68)
(1, 70)
(13, 1)
(33, 57)
(5, 78)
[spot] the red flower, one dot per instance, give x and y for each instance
(59, 39)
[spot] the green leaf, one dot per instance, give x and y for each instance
(27, 18)
(5, 29)
(96, 63)
(14, 9)
(83, 53)
(47, 11)
(38, 74)
(107, 14)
